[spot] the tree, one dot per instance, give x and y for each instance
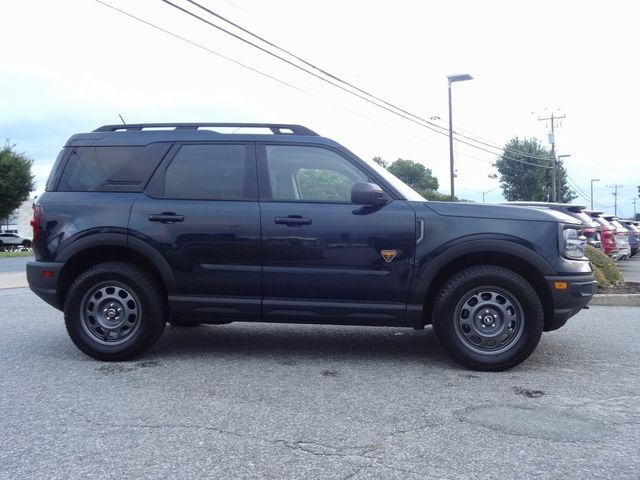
(416, 175)
(523, 175)
(16, 181)
(381, 162)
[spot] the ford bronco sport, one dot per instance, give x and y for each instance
(146, 224)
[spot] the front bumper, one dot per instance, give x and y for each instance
(570, 295)
(43, 281)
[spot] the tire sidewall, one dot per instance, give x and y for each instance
(444, 321)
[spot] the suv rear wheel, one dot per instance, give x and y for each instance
(115, 311)
(488, 318)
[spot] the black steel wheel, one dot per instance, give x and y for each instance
(488, 318)
(110, 313)
(115, 311)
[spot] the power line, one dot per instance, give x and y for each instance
(259, 72)
(575, 185)
(403, 113)
(335, 77)
(271, 77)
(319, 77)
(584, 196)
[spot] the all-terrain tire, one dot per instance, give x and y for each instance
(115, 311)
(488, 318)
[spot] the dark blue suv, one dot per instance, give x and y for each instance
(146, 224)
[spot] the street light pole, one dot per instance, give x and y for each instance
(593, 180)
(451, 79)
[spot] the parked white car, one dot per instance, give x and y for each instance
(13, 240)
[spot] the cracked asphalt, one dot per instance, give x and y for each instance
(314, 402)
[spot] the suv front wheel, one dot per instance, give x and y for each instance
(115, 311)
(488, 318)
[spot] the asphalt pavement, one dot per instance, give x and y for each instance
(14, 264)
(296, 402)
(630, 268)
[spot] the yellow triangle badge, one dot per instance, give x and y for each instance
(388, 255)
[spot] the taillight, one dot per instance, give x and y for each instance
(35, 222)
(608, 238)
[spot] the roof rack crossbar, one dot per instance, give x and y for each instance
(276, 128)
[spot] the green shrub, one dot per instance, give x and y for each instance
(606, 267)
(599, 276)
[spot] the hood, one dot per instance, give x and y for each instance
(503, 212)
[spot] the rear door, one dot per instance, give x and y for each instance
(201, 213)
(324, 258)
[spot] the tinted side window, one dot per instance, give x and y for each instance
(108, 169)
(310, 174)
(211, 172)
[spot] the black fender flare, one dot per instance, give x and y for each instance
(428, 272)
(123, 240)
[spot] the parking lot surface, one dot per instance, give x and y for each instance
(298, 402)
(14, 265)
(630, 268)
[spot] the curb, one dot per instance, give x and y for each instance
(616, 300)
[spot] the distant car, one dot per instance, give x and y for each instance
(589, 226)
(634, 235)
(622, 236)
(607, 235)
(13, 240)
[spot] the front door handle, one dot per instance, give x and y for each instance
(166, 217)
(292, 221)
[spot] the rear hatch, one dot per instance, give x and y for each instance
(607, 233)
(621, 235)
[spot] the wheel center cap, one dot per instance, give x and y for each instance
(111, 312)
(488, 320)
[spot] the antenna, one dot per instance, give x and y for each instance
(123, 122)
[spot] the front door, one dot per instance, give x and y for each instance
(325, 259)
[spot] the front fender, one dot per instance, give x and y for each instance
(429, 266)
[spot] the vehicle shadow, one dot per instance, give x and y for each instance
(302, 343)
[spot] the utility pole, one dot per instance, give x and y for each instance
(634, 207)
(615, 187)
(554, 166)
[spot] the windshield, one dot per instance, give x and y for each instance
(405, 190)
(617, 224)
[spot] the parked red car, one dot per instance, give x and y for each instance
(622, 236)
(607, 234)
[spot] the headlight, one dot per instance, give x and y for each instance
(573, 242)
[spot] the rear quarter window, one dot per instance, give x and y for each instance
(53, 178)
(109, 169)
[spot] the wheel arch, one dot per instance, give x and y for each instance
(83, 254)
(514, 257)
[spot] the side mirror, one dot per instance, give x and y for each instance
(368, 194)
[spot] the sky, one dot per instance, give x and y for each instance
(72, 65)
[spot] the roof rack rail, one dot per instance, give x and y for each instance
(276, 129)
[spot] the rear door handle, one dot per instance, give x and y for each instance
(166, 217)
(292, 221)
